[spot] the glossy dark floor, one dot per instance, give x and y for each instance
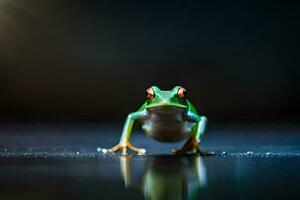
(61, 161)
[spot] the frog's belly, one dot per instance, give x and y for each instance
(167, 124)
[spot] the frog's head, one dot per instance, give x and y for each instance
(177, 97)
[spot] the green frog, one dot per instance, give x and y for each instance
(166, 116)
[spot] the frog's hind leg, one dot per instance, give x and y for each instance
(192, 145)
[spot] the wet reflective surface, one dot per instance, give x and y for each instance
(62, 162)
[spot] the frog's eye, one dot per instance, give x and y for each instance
(182, 93)
(150, 94)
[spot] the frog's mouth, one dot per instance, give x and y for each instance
(167, 111)
(166, 106)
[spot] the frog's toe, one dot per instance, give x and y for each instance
(115, 148)
(137, 150)
(141, 152)
(191, 147)
(109, 151)
(124, 146)
(178, 152)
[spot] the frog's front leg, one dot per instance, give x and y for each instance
(124, 141)
(192, 145)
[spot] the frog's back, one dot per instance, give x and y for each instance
(167, 124)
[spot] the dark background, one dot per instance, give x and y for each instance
(66, 66)
(93, 60)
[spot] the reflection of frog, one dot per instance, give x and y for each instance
(166, 116)
(169, 177)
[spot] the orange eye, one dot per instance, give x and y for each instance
(182, 93)
(150, 94)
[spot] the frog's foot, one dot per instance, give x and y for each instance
(123, 146)
(191, 146)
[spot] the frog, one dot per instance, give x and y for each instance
(166, 116)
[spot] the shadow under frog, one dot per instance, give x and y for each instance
(168, 177)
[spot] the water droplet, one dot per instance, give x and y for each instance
(104, 150)
(142, 151)
(77, 153)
